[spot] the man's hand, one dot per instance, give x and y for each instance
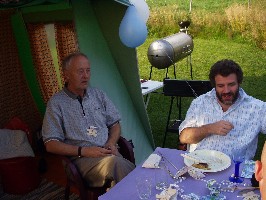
(113, 148)
(221, 127)
(95, 152)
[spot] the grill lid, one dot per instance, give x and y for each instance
(165, 52)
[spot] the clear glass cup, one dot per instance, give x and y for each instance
(143, 185)
(161, 176)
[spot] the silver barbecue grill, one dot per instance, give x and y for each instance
(167, 51)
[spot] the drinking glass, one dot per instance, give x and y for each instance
(238, 157)
(143, 185)
(161, 176)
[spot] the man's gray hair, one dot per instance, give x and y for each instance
(68, 59)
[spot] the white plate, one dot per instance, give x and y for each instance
(217, 161)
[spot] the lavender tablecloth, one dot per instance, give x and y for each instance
(126, 189)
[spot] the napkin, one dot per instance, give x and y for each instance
(181, 172)
(152, 161)
(196, 174)
(251, 196)
(167, 194)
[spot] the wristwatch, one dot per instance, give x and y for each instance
(79, 152)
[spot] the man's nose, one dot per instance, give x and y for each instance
(226, 89)
(86, 74)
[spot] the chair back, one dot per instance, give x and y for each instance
(177, 89)
(126, 149)
(185, 88)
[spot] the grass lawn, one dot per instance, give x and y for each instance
(210, 5)
(206, 52)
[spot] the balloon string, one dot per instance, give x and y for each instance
(173, 63)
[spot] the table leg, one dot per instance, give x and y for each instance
(147, 101)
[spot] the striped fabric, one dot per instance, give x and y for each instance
(46, 191)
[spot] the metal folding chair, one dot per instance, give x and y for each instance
(178, 89)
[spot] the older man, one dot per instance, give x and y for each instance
(82, 123)
(225, 119)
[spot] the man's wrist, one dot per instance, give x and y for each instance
(107, 146)
(204, 130)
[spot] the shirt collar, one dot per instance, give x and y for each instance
(71, 94)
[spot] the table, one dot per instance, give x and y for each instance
(148, 87)
(126, 189)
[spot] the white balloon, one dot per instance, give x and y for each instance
(142, 8)
(132, 30)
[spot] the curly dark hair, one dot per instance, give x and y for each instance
(225, 68)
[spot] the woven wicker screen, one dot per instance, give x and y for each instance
(66, 43)
(15, 96)
(43, 62)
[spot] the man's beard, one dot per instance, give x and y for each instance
(225, 102)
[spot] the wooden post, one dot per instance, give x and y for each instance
(190, 6)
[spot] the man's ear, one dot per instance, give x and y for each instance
(258, 170)
(66, 77)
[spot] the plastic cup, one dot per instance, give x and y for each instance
(161, 177)
(143, 185)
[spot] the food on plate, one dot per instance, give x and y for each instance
(214, 161)
(204, 166)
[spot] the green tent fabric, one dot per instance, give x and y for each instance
(23, 45)
(26, 3)
(114, 67)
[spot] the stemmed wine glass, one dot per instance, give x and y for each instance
(238, 157)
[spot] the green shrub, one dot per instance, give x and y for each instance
(250, 23)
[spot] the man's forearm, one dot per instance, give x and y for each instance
(114, 134)
(61, 148)
(193, 135)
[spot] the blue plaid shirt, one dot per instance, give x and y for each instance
(67, 121)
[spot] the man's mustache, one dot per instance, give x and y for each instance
(227, 94)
